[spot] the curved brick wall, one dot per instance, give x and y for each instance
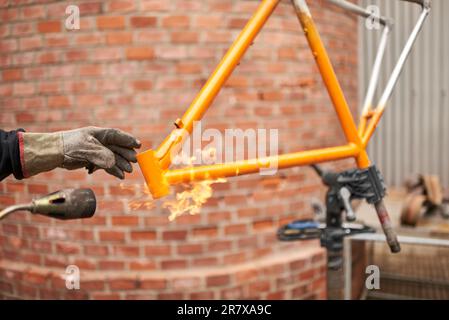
(136, 65)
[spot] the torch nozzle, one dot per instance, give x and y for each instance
(65, 204)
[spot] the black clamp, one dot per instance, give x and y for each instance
(342, 188)
(363, 184)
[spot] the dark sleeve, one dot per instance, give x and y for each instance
(10, 154)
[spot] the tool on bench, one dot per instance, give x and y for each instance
(425, 198)
(66, 204)
(343, 187)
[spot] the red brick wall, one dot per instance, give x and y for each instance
(136, 65)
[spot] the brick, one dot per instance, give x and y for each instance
(158, 250)
(26, 291)
(88, 39)
(21, 29)
(278, 295)
(123, 284)
(143, 235)
(153, 284)
(175, 22)
(93, 285)
(34, 277)
(76, 55)
(220, 245)
(6, 287)
(115, 236)
(49, 87)
(121, 5)
(232, 293)
(237, 23)
(111, 265)
(49, 26)
(185, 283)
(208, 22)
(263, 225)
(58, 101)
(142, 85)
(125, 221)
(90, 70)
(67, 248)
(190, 249)
(89, 100)
(205, 232)
(8, 45)
(12, 74)
(188, 219)
(143, 22)
(6, 200)
(142, 266)
(174, 235)
(105, 296)
(30, 43)
(173, 264)
(96, 250)
(205, 262)
(121, 37)
(23, 89)
(110, 22)
(155, 5)
(170, 296)
(297, 265)
(56, 40)
(184, 37)
(89, 8)
(47, 57)
(202, 295)
(140, 53)
(236, 229)
(37, 188)
(33, 12)
(218, 280)
(129, 251)
(255, 289)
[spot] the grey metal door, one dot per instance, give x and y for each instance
(413, 136)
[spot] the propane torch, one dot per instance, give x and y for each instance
(66, 204)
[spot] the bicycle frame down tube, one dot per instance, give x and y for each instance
(330, 80)
(283, 161)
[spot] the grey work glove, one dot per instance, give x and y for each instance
(91, 147)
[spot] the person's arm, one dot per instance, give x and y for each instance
(91, 147)
(10, 154)
(27, 154)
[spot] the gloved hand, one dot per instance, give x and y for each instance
(91, 147)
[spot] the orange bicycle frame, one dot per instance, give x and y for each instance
(155, 164)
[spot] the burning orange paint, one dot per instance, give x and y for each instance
(192, 200)
(188, 201)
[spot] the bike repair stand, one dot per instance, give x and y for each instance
(343, 187)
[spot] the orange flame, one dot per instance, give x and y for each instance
(192, 200)
(188, 201)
